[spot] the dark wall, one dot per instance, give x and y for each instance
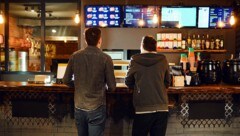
(129, 38)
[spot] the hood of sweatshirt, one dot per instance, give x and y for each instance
(147, 59)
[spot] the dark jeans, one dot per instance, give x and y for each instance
(91, 123)
(155, 123)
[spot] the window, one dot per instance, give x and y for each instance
(24, 44)
(61, 32)
(25, 35)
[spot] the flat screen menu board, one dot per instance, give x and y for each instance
(217, 14)
(134, 14)
(203, 17)
(102, 16)
(173, 17)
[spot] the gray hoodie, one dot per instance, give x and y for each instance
(148, 75)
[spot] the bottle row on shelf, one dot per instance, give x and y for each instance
(199, 42)
(195, 71)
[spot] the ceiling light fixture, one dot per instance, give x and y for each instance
(77, 18)
(155, 16)
(232, 19)
(49, 13)
(141, 22)
(1, 17)
(54, 30)
(77, 15)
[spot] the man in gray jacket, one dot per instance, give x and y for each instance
(148, 75)
(92, 70)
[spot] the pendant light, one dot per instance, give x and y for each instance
(232, 19)
(77, 18)
(77, 15)
(1, 17)
(155, 16)
(141, 22)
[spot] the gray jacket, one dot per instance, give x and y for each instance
(149, 75)
(92, 70)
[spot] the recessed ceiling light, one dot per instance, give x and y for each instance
(54, 30)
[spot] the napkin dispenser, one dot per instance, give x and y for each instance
(178, 80)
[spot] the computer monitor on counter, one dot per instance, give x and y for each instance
(61, 70)
(54, 66)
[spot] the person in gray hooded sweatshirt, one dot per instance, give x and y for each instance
(148, 75)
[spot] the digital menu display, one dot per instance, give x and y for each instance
(203, 17)
(102, 16)
(217, 15)
(134, 14)
(173, 17)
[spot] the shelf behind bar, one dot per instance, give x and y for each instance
(181, 51)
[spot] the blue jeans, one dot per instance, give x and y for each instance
(91, 123)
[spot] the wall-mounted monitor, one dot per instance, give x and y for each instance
(102, 16)
(141, 16)
(203, 17)
(217, 14)
(176, 17)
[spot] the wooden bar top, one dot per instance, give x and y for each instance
(121, 88)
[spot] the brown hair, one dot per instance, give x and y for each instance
(149, 43)
(92, 36)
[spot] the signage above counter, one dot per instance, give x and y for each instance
(149, 16)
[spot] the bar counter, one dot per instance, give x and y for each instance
(121, 88)
(22, 100)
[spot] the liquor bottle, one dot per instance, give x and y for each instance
(212, 43)
(183, 43)
(159, 41)
(221, 42)
(191, 59)
(194, 42)
(203, 42)
(175, 45)
(183, 62)
(217, 43)
(189, 41)
(207, 44)
(198, 59)
(198, 42)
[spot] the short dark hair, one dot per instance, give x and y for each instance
(149, 43)
(92, 36)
